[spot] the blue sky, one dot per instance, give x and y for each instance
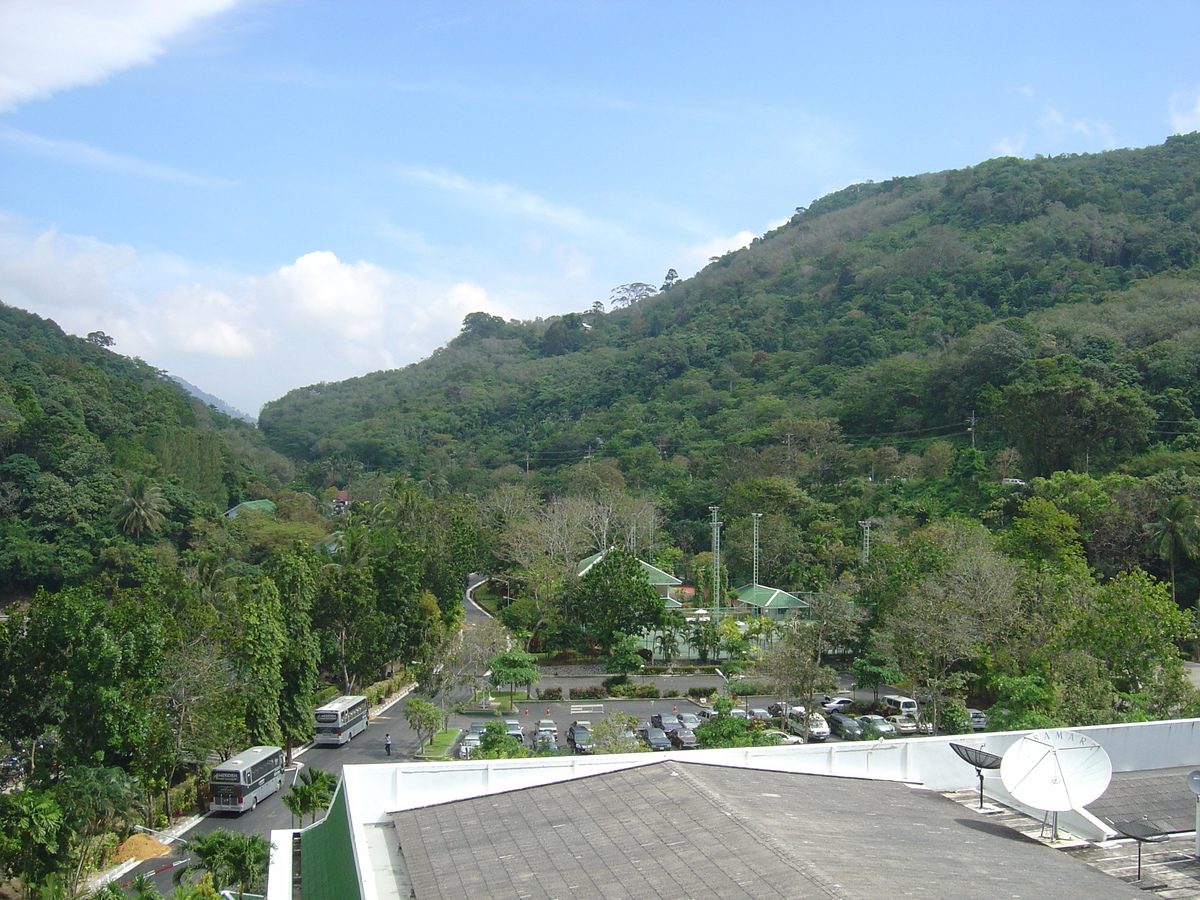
(266, 194)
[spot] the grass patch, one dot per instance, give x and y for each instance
(439, 745)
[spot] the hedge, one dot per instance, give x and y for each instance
(595, 692)
(550, 693)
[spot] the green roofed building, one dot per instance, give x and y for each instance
(767, 601)
(659, 580)
(264, 506)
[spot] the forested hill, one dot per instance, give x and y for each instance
(82, 427)
(1048, 303)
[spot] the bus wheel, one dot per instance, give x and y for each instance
(254, 804)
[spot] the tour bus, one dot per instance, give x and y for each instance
(341, 719)
(237, 784)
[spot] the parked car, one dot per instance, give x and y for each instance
(758, 714)
(469, 744)
(579, 736)
(899, 705)
(876, 726)
(643, 725)
(476, 728)
(845, 727)
(978, 719)
(656, 739)
(903, 724)
(668, 722)
(547, 725)
(784, 738)
(705, 714)
(837, 705)
(689, 720)
(818, 728)
(512, 727)
(738, 713)
(683, 739)
(543, 740)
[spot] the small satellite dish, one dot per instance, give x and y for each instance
(1056, 770)
(1194, 781)
(979, 758)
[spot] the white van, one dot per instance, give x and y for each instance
(900, 706)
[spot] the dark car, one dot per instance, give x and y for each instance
(668, 722)
(656, 739)
(579, 736)
(683, 739)
(845, 727)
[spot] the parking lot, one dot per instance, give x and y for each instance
(563, 713)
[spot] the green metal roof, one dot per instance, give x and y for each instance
(769, 598)
(327, 867)
(267, 506)
(656, 576)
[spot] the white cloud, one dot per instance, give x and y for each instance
(244, 337)
(700, 254)
(502, 199)
(1185, 111)
(343, 300)
(77, 153)
(50, 45)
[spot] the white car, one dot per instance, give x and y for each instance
(838, 705)
(785, 738)
(470, 743)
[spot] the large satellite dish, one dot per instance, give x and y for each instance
(1056, 770)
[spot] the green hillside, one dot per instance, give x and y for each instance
(1051, 299)
(83, 429)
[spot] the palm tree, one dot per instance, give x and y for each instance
(1176, 532)
(230, 857)
(140, 507)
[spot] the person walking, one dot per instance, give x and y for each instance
(387, 744)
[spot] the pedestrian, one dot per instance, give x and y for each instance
(387, 744)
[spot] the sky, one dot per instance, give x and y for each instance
(260, 195)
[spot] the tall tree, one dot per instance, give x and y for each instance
(260, 655)
(295, 574)
(1175, 533)
(140, 506)
(615, 596)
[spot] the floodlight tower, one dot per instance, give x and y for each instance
(716, 561)
(757, 517)
(865, 525)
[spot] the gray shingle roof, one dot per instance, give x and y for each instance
(679, 830)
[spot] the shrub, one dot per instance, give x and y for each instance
(323, 696)
(645, 692)
(623, 691)
(550, 693)
(595, 692)
(697, 692)
(615, 680)
(654, 670)
(671, 693)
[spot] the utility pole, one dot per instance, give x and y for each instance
(971, 428)
(716, 561)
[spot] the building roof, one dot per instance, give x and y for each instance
(656, 576)
(769, 598)
(266, 506)
(680, 830)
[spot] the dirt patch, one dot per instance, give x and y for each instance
(139, 847)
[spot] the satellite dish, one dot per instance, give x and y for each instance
(1194, 781)
(1056, 770)
(979, 758)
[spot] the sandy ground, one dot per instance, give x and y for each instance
(140, 846)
